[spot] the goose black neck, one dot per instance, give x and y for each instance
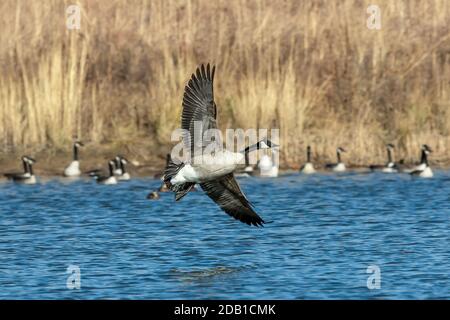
(389, 155)
(75, 152)
(424, 158)
(251, 148)
(111, 169)
(338, 156)
(247, 161)
(30, 168)
(308, 155)
(25, 166)
(122, 166)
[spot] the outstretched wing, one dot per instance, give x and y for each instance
(198, 106)
(228, 195)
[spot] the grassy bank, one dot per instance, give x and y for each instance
(311, 68)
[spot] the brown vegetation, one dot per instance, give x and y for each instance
(311, 68)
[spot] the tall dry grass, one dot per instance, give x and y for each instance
(311, 68)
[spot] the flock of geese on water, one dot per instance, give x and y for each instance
(216, 172)
(117, 170)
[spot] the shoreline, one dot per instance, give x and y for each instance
(146, 160)
(155, 169)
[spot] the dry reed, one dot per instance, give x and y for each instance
(311, 68)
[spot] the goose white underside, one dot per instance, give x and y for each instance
(124, 177)
(420, 167)
(308, 168)
(248, 169)
(389, 169)
(266, 167)
(117, 172)
(339, 167)
(30, 180)
(110, 180)
(73, 170)
(426, 173)
(208, 167)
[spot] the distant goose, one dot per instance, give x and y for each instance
(18, 175)
(28, 176)
(94, 173)
(214, 172)
(118, 166)
(390, 166)
(339, 166)
(267, 166)
(111, 179)
(308, 167)
(125, 175)
(423, 169)
(248, 169)
(154, 195)
(73, 169)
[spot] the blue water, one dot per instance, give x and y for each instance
(326, 231)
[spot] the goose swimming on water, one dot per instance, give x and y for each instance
(267, 166)
(125, 175)
(423, 169)
(339, 166)
(248, 169)
(214, 171)
(73, 169)
(28, 176)
(390, 166)
(111, 178)
(19, 175)
(118, 166)
(308, 167)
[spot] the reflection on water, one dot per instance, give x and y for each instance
(325, 231)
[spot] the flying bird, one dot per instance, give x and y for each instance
(214, 171)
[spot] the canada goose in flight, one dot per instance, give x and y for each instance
(267, 166)
(339, 166)
(308, 167)
(28, 176)
(125, 175)
(423, 169)
(25, 173)
(214, 171)
(390, 166)
(110, 179)
(73, 169)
